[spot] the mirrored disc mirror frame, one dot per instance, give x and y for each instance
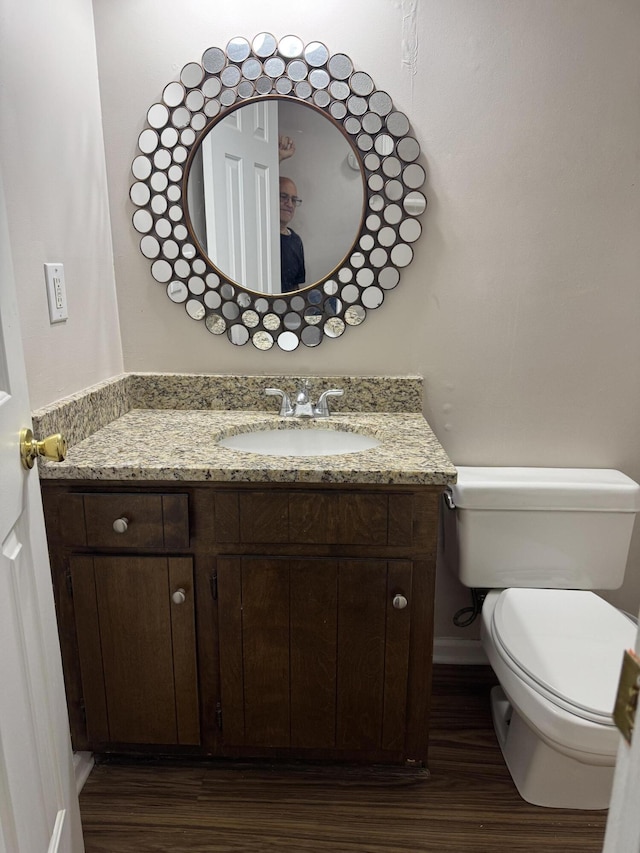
(380, 146)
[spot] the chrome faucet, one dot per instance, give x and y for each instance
(303, 407)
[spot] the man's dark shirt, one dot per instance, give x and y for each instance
(291, 261)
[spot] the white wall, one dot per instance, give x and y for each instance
(521, 307)
(52, 156)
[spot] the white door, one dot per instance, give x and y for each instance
(241, 192)
(623, 822)
(38, 802)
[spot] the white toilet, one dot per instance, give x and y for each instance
(539, 539)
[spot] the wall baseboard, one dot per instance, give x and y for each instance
(83, 765)
(453, 650)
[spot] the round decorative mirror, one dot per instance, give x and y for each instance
(277, 192)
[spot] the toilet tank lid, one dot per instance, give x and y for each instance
(586, 489)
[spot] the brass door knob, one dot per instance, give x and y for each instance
(52, 447)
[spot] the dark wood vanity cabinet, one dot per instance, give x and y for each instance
(246, 621)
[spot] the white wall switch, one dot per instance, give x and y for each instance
(56, 292)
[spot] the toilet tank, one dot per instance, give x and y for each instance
(559, 528)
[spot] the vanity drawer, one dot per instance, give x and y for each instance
(316, 518)
(125, 521)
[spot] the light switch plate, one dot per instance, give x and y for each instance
(56, 292)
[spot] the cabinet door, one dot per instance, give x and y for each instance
(137, 648)
(313, 653)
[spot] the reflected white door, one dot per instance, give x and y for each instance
(241, 192)
(38, 802)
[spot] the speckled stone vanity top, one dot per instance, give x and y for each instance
(166, 428)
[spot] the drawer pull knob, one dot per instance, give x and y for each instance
(120, 525)
(179, 596)
(399, 602)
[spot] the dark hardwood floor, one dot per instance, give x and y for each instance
(467, 803)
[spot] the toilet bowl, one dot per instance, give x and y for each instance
(539, 540)
(557, 655)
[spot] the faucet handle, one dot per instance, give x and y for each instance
(286, 409)
(322, 406)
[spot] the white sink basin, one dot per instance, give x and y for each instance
(299, 442)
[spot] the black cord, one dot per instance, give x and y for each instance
(466, 615)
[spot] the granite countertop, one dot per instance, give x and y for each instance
(181, 445)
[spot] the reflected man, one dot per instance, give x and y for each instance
(291, 249)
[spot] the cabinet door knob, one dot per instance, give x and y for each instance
(120, 525)
(399, 602)
(179, 596)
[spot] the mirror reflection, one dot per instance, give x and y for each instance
(275, 195)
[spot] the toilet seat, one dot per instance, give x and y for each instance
(567, 645)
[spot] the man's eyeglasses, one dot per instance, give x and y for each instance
(295, 201)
